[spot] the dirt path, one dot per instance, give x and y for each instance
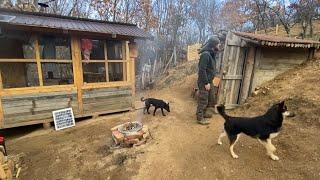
(182, 149)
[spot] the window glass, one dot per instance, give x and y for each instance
(94, 72)
(52, 47)
(16, 45)
(115, 71)
(114, 49)
(57, 73)
(17, 75)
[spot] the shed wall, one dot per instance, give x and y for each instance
(272, 61)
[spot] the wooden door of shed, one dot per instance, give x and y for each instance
(232, 71)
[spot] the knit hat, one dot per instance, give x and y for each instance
(210, 43)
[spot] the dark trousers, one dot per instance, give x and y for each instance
(206, 99)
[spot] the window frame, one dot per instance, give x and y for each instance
(106, 61)
(39, 63)
(76, 60)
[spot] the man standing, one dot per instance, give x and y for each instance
(206, 73)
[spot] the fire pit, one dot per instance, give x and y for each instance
(130, 127)
(130, 134)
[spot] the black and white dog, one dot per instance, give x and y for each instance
(157, 103)
(264, 128)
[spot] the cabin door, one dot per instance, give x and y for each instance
(232, 71)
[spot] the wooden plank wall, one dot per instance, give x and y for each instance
(192, 53)
(106, 99)
(232, 68)
(248, 74)
(20, 109)
(272, 61)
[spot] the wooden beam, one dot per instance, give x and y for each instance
(117, 61)
(56, 60)
(77, 69)
(133, 81)
(37, 49)
(32, 90)
(127, 59)
(17, 60)
(106, 60)
(124, 58)
(95, 61)
(106, 85)
(1, 108)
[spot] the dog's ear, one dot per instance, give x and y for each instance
(281, 104)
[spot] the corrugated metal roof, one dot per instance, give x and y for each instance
(43, 20)
(269, 40)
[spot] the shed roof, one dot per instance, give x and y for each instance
(269, 40)
(66, 23)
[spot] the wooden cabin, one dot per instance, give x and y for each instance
(50, 62)
(252, 59)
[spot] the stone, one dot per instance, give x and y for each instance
(118, 137)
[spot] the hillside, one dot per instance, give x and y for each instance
(181, 148)
(295, 30)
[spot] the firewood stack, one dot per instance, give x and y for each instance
(7, 166)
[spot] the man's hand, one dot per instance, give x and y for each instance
(207, 87)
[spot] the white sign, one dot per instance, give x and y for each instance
(63, 118)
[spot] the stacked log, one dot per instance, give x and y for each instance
(6, 168)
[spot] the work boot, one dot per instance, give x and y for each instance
(203, 122)
(207, 114)
(211, 110)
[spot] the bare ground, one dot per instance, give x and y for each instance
(182, 149)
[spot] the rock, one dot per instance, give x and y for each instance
(118, 137)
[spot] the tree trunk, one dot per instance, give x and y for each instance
(311, 27)
(304, 29)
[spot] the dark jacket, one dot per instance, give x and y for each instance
(207, 67)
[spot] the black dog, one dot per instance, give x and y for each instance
(157, 103)
(264, 127)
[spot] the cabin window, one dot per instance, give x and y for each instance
(93, 60)
(57, 73)
(56, 61)
(57, 48)
(20, 67)
(18, 75)
(115, 71)
(17, 60)
(102, 61)
(114, 50)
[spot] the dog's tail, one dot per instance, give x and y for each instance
(142, 99)
(221, 110)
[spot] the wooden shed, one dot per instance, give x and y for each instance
(252, 59)
(50, 62)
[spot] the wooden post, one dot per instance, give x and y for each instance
(1, 108)
(37, 49)
(106, 61)
(277, 29)
(77, 70)
(124, 56)
(133, 68)
(128, 62)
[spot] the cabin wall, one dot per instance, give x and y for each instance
(272, 61)
(106, 100)
(21, 109)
